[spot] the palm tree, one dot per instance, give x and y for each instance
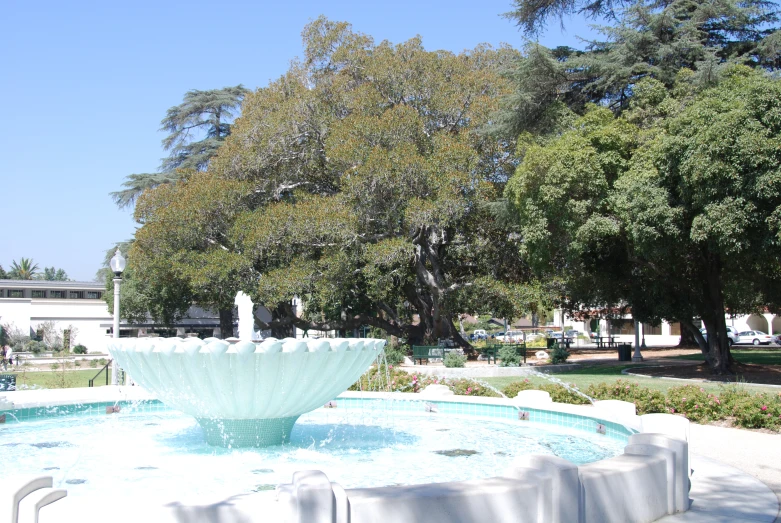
(24, 270)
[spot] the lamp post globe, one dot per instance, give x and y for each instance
(117, 264)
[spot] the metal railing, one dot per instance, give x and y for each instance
(105, 368)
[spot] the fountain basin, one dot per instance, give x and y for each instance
(245, 394)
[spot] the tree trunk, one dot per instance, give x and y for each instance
(719, 357)
(688, 339)
(226, 323)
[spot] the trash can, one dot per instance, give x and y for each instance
(550, 342)
(7, 382)
(624, 352)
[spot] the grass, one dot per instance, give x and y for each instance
(59, 379)
(757, 357)
(595, 375)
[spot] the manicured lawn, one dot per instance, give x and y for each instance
(757, 357)
(595, 375)
(58, 379)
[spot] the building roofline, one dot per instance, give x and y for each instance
(52, 284)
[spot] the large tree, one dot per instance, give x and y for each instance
(356, 182)
(645, 39)
(672, 207)
(196, 128)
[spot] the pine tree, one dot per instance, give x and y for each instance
(203, 113)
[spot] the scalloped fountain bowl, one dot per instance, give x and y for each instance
(245, 394)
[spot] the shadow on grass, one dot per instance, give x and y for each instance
(756, 357)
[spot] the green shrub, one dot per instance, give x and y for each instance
(102, 361)
(695, 403)
(55, 366)
(467, 387)
(561, 394)
(753, 411)
(36, 347)
(79, 349)
(93, 363)
(394, 355)
(453, 359)
(558, 393)
(77, 363)
(558, 354)
(508, 354)
(538, 343)
(646, 400)
(512, 389)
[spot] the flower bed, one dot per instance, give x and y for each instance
(733, 402)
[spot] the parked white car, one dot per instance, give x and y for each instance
(732, 334)
(755, 337)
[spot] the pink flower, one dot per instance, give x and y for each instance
(469, 390)
(527, 381)
(672, 411)
(390, 366)
(702, 390)
(627, 387)
(696, 406)
(683, 399)
(763, 407)
(477, 388)
(718, 401)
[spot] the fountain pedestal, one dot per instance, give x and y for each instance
(245, 394)
(247, 432)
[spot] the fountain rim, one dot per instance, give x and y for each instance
(39, 408)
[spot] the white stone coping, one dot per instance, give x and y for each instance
(76, 396)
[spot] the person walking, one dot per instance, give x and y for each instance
(4, 356)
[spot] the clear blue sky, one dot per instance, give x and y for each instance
(84, 86)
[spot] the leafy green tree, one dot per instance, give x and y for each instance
(203, 114)
(671, 208)
(24, 270)
(52, 274)
(647, 39)
(358, 183)
(3, 274)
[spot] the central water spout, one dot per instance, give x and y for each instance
(246, 316)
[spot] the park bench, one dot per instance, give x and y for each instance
(428, 352)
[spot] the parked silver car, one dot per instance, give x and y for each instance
(755, 337)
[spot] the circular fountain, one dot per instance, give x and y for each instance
(245, 394)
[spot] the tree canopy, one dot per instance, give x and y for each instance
(358, 183)
(25, 269)
(645, 39)
(672, 207)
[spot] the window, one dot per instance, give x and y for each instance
(649, 329)
(76, 295)
(622, 326)
(15, 293)
(38, 294)
(57, 294)
(2, 293)
(94, 295)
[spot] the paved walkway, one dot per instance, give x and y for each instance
(755, 453)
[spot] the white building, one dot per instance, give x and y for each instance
(666, 334)
(78, 307)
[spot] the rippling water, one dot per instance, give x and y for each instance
(138, 454)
